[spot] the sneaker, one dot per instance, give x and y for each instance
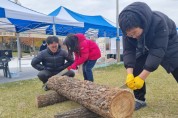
(45, 88)
(139, 104)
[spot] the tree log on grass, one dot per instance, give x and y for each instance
(52, 97)
(49, 98)
(103, 100)
(81, 112)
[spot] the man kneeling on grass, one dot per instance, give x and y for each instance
(51, 61)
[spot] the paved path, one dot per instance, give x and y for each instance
(27, 71)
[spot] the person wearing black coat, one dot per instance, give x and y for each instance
(150, 39)
(51, 61)
(43, 45)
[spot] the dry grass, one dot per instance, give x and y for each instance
(17, 99)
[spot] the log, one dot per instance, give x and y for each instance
(53, 97)
(109, 102)
(49, 98)
(81, 112)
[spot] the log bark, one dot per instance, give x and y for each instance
(81, 112)
(108, 102)
(53, 97)
(49, 98)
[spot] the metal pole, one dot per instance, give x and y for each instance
(54, 26)
(117, 37)
(17, 2)
(19, 51)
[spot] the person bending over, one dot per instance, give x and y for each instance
(150, 39)
(86, 52)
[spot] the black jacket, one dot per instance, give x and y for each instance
(53, 62)
(159, 40)
(43, 47)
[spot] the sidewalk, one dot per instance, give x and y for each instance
(27, 71)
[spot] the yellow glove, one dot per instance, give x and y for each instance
(130, 81)
(138, 82)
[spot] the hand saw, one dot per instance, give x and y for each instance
(124, 86)
(63, 72)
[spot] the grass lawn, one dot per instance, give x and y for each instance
(17, 99)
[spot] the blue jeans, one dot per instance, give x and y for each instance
(87, 69)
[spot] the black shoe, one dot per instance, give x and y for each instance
(45, 87)
(139, 104)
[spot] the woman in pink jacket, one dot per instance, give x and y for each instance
(86, 52)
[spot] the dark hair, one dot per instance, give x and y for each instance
(71, 41)
(44, 41)
(52, 39)
(128, 20)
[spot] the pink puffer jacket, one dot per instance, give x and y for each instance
(89, 50)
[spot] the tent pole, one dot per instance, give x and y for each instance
(54, 27)
(105, 48)
(19, 51)
(117, 37)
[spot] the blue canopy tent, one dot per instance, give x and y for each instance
(95, 22)
(16, 18)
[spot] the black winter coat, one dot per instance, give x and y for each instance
(43, 47)
(159, 40)
(53, 62)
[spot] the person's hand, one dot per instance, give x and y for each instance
(130, 81)
(69, 68)
(138, 82)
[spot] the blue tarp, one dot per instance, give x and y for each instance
(24, 25)
(94, 22)
(2, 13)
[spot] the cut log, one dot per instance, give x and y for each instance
(52, 97)
(103, 100)
(49, 98)
(81, 112)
